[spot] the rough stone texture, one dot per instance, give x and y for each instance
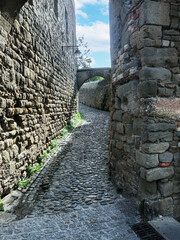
(147, 160)
(166, 189)
(159, 57)
(157, 13)
(168, 227)
(145, 46)
(37, 85)
(105, 223)
(155, 148)
(127, 96)
(96, 94)
(79, 201)
(156, 173)
(147, 73)
(85, 74)
(163, 207)
(166, 157)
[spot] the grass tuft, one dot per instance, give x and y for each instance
(1, 205)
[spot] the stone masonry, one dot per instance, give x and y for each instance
(96, 94)
(38, 89)
(73, 197)
(37, 83)
(145, 116)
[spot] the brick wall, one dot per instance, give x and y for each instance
(37, 83)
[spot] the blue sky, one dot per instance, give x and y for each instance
(93, 23)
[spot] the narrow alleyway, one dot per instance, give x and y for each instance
(75, 198)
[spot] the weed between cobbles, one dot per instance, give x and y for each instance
(32, 169)
(1, 205)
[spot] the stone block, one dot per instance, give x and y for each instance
(147, 89)
(17, 26)
(168, 227)
(120, 128)
(128, 129)
(155, 147)
(6, 25)
(120, 145)
(155, 127)
(178, 92)
(177, 159)
(160, 136)
(10, 112)
(127, 118)
(165, 43)
(165, 92)
(148, 187)
(147, 160)
(12, 167)
(128, 96)
(2, 103)
(5, 156)
(158, 207)
(166, 189)
(159, 57)
(166, 157)
(117, 116)
(155, 174)
(1, 145)
(176, 186)
(149, 73)
(176, 211)
(15, 150)
(156, 13)
(149, 36)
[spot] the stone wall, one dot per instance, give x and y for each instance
(145, 115)
(37, 83)
(96, 94)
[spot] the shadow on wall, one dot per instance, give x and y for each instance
(96, 94)
(38, 87)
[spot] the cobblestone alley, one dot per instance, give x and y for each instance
(74, 197)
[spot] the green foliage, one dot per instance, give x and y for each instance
(24, 182)
(36, 167)
(49, 150)
(94, 79)
(64, 132)
(83, 60)
(72, 124)
(1, 205)
(54, 143)
(42, 158)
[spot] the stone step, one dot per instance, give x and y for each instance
(168, 227)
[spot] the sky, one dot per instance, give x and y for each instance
(92, 21)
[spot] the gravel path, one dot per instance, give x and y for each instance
(76, 199)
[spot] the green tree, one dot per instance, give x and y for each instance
(83, 60)
(94, 79)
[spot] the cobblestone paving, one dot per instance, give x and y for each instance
(76, 199)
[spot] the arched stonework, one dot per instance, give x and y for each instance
(84, 74)
(11, 8)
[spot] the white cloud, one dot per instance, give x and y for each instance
(81, 13)
(93, 62)
(80, 4)
(96, 35)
